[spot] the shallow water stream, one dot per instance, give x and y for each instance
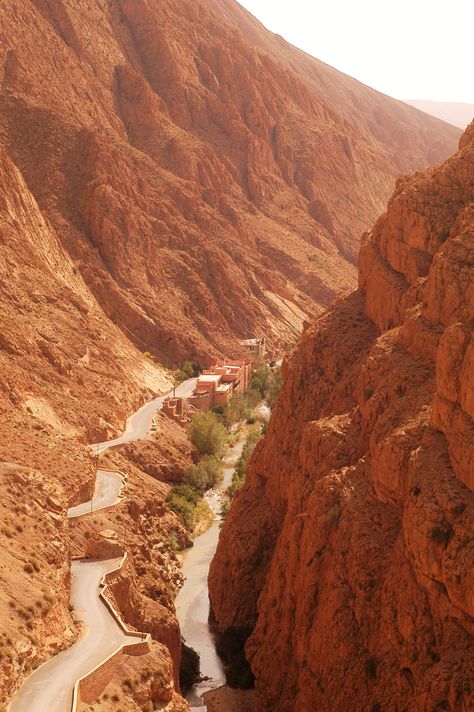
(192, 602)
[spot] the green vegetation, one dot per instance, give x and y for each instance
(207, 433)
(267, 381)
(188, 369)
(206, 474)
(189, 669)
(241, 406)
(186, 502)
(238, 478)
(253, 436)
(265, 385)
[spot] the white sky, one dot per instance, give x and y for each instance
(409, 49)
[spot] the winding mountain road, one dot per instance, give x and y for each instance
(50, 687)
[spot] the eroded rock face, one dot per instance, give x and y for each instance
(208, 181)
(349, 549)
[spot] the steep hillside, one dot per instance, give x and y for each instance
(208, 181)
(349, 550)
(68, 377)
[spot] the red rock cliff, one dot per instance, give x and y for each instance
(208, 181)
(349, 549)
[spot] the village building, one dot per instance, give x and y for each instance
(215, 386)
(257, 346)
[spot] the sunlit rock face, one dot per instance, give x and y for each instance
(349, 549)
(209, 181)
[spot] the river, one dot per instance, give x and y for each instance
(192, 602)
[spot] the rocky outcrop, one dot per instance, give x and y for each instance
(207, 181)
(349, 548)
(165, 454)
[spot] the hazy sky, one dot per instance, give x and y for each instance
(409, 49)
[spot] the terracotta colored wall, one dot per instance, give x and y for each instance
(91, 687)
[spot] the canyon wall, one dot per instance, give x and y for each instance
(349, 550)
(172, 178)
(208, 181)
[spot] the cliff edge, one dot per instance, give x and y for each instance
(349, 550)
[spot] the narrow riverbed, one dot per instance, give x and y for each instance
(192, 602)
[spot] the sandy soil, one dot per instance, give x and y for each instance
(224, 699)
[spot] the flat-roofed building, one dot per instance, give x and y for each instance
(215, 386)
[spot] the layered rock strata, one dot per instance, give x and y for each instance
(349, 550)
(208, 181)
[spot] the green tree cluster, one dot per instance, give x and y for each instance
(183, 500)
(206, 474)
(187, 503)
(207, 433)
(267, 381)
(189, 369)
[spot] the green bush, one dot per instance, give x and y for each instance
(267, 381)
(237, 409)
(196, 476)
(225, 506)
(213, 467)
(238, 477)
(188, 369)
(207, 433)
(186, 502)
(189, 668)
(182, 500)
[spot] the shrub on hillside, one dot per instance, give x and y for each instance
(188, 505)
(196, 476)
(188, 369)
(182, 500)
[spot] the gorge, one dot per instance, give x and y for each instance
(175, 179)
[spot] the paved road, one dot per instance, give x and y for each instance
(107, 491)
(50, 687)
(139, 423)
(109, 484)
